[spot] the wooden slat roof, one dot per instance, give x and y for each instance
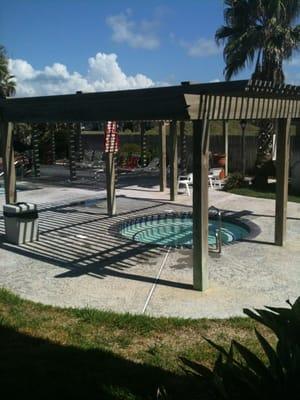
(221, 100)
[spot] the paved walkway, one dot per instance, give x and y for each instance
(79, 261)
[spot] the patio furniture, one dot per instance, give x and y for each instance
(216, 179)
(131, 164)
(152, 166)
(185, 180)
(210, 180)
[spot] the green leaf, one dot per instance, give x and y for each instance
(161, 394)
(217, 347)
(275, 365)
(198, 368)
(296, 307)
(253, 362)
(268, 319)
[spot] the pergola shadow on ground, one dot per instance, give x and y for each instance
(200, 103)
(84, 241)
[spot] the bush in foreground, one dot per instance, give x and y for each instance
(238, 373)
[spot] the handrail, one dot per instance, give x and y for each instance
(218, 234)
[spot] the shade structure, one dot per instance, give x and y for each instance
(201, 103)
(224, 100)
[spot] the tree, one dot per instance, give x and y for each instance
(7, 82)
(263, 32)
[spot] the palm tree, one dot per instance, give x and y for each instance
(263, 32)
(7, 82)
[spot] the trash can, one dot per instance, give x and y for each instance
(21, 222)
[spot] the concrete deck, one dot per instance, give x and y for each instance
(80, 262)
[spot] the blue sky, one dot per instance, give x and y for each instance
(61, 46)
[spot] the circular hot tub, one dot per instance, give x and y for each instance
(176, 230)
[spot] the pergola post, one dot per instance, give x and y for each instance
(72, 157)
(225, 138)
(6, 133)
(36, 151)
(200, 204)
(162, 156)
(282, 177)
(173, 160)
(110, 184)
(182, 147)
(143, 145)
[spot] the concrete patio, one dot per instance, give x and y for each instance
(80, 262)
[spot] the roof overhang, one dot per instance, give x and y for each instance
(222, 100)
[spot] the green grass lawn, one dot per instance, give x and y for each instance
(269, 193)
(48, 352)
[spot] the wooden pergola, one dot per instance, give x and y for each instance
(199, 103)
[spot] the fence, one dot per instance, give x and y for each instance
(95, 142)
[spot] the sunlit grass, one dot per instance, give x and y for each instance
(268, 193)
(86, 353)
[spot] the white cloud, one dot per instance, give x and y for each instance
(291, 77)
(21, 68)
(137, 35)
(294, 62)
(203, 47)
(104, 73)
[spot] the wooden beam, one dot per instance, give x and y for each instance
(237, 108)
(162, 156)
(200, 204)
(173, 160)
(229, 100)
(282, 176)
(6, 134)
(86, 107)
(110, 184)
(225, 138)
(160, 103)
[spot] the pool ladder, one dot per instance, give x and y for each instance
(217, 213)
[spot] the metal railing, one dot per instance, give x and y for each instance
(218, 235)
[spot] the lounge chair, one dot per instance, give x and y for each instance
(152, 166)
(131, 164)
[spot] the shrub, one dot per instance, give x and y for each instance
(240, 374)
(233, 181)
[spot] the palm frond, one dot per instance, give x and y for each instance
(7, 81)
(255, 27)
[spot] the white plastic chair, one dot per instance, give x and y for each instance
(210, 180)
(185, 180)
(214, 178)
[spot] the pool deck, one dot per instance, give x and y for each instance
(80, 262)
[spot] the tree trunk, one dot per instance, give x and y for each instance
(264, 166)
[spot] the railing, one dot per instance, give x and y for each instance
(216, 212)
